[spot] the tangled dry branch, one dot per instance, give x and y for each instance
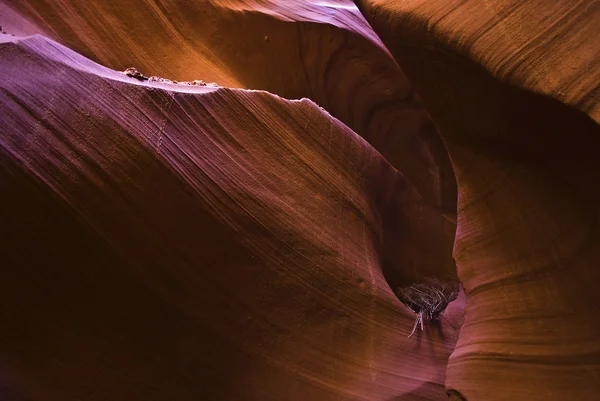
(428, 299)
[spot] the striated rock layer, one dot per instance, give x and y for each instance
(322, 50)
(171, 242)
(513, 89)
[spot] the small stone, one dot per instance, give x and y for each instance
(134, 73)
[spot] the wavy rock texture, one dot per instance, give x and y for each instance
(322, 50)
(170, 242)
(513, 89)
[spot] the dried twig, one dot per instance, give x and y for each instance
(428, 299)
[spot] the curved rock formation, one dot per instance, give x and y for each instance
(322, 50)
(173, 242)
(513, 89)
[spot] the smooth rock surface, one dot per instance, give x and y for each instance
(499, 79)
(322, 50)
(165, 242)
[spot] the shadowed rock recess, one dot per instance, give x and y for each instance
(172, 239)
(513, 89)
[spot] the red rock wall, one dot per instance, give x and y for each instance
(179, 242)
(170, 242)
(512, 88)
(324, 51)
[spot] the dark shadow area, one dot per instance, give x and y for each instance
(427, 392)
(474, 109)
(481, 118)
(83, 319)
(416, 239)
(454, 395)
